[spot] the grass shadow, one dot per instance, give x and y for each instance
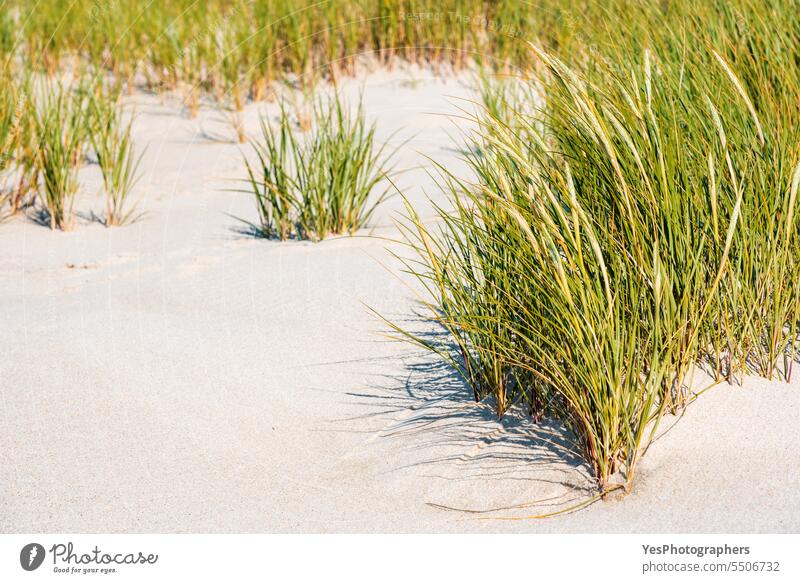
(430, 425)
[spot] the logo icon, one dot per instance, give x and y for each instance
(31, 556)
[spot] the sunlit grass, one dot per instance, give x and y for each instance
(632, 209)
(319, 184)
(111, 139)
(61, 131)
(636, 222)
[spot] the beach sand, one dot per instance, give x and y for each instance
(178, 375)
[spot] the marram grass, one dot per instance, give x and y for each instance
(633, 210)
(641, 221)
(113, 145)
(325, 182)
(61, 130)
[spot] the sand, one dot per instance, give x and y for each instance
(177, 375)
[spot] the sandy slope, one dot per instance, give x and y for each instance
(178, 376)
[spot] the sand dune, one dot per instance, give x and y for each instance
(177, 375)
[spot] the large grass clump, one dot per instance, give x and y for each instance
(309, 186)
(636, 220)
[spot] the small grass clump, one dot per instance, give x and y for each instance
(62, 128)
(113, 146)
(320, 184)
(18, 167)
(9, 136)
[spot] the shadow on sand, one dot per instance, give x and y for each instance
(430, 425)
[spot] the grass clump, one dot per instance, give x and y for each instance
(611, 236)
(9, 134)
(319, 184)
(61, 130)
(18, 167)
(113, 146)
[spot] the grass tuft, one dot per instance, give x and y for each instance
(113, 146)
(61, 131)
(616, 234)
(320, 184)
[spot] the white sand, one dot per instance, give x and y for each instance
(177, 376)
